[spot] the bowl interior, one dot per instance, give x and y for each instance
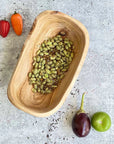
(46, 25)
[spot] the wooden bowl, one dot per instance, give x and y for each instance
(47, 24)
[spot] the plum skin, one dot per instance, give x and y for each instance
(81, 124)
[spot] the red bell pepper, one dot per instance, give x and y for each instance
(4, 28)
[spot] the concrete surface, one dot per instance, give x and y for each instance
(96, 77)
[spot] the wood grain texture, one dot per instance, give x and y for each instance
(47, 24)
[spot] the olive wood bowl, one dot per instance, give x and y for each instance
(47, 24)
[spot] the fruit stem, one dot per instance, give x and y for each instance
(15, 12)
(81, 110)
(82, 102)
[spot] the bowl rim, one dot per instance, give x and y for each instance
(82, 59)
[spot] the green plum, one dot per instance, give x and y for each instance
(101, 121)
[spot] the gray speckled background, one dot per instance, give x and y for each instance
(96, 77)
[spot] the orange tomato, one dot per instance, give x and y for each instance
(17, 23)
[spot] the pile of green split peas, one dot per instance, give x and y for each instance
(51, 62)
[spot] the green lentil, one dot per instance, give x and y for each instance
(35, 86)
(33, 76)
(34, 90)
(38, 59)
(30, 74)
(51, 63)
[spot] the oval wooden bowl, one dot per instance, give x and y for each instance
(47, 24)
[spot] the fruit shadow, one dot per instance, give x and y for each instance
(72, 107)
